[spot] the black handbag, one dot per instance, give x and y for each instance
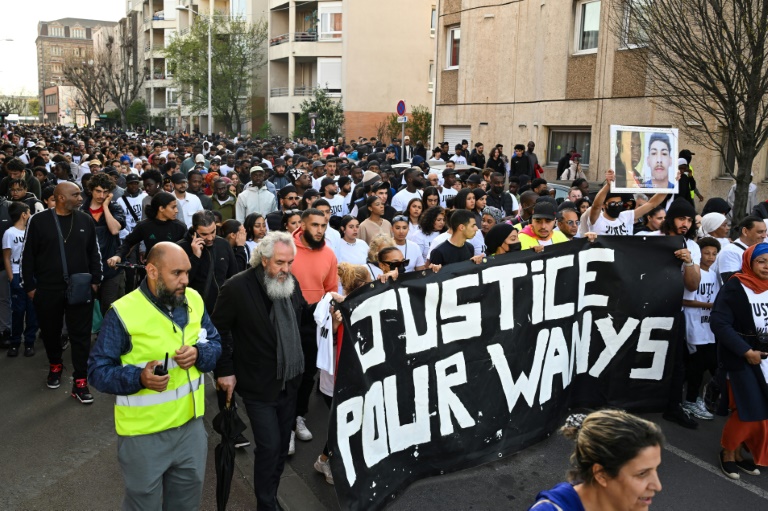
(79, 291)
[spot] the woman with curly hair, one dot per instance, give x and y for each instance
(431, 225)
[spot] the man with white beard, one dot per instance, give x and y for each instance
(258, 314)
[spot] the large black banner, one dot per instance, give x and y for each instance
(445, 371)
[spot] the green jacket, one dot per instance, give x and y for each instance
(227, 209)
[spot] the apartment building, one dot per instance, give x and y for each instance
(369, 54)
(550, 71)
(56, 41)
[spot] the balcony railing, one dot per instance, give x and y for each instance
(278, 92)
(304, 91)
(147, 47)
(283, 38)
(302, 37)
(184, 31)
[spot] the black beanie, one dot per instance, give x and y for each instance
(681, 208)
(496, 237)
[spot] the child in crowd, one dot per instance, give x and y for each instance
(21, 304)
(702, 351)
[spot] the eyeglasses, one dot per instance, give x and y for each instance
(400, 218)
(619, 203)
(573, 223)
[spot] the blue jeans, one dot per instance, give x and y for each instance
(21, 306)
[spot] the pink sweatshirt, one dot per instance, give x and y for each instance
(315, 270)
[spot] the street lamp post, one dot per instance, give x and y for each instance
(210, 103)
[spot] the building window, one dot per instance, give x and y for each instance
(587, 26)
(171, 97)
(169, 9)
(238, 8)
(454, 44)
(433, 22)
(729, 161)
(78, 33)
(56, 51)
(329, 75)
(56, 31)
(168, 37)
(330, 21)
(56, 67)
(562, 140)
(634, 35)
(431, 83)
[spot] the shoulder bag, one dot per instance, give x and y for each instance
(79, 291)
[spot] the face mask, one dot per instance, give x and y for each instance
(514, 247)
(544, 193)
(498, 189)
(614, 211)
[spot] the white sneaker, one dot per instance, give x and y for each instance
(693, 409)
(701, 407)
(324, 467)
(292, 444)
(301, 430)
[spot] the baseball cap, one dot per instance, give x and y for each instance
(284, 191)
(178, 178)
(475, 178)
(450, 172)
(682, 161)
(310, 193)
(370, 177)
(279, 162)
(327, 181)
(544, 210)
(256, 168)
(132, 178)
(318, 163)
(199, 158)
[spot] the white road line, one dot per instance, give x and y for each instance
(716, 470)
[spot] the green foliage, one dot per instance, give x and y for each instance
(265, 131)
(330, 117)
(238, 51)
(392, 127)
(34, 107)
(419, 125)
(137, 113)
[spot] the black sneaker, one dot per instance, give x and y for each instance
(748, 466)
(64, 342)
(241, 442)
(81, 392)
(29, 351)
(729, 468)
(680, 416)
(54, 376)
(13, 351)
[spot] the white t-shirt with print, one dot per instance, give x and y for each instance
(729, 258)
(622, 226)
(759, 306)
(14, 239)
(412, 252)
(697, 327)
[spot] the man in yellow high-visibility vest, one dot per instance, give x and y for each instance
(162, 444)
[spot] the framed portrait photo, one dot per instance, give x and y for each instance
(644, 159)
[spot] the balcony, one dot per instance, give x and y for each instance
(304, 91)
(278, 92)
(304, 37)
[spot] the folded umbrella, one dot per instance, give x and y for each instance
(229, 425)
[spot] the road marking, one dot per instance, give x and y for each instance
(716, 470)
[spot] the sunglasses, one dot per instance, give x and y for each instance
(397, 264)
(400, 218)
(620, 203)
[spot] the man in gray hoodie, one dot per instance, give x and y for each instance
(256, 197)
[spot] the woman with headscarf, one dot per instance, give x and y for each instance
(716, 205)
(738, 320)
(502, 238)
(491, 216)
(715, 225)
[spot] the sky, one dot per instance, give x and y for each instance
(19, 22)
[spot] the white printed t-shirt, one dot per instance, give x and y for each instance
(14, 239)
(622, 226)
(759, 305)
(697, 327)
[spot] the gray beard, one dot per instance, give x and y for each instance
(277, 290)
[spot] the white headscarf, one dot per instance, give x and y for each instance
(710, 222)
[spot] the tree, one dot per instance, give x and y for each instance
(123, 77)
(419, 125)
(706, 61)
(33, 104)
(330, 117)
(137, 114)
(12, 105)
(393, 128)
(87, 77)
(238, 51)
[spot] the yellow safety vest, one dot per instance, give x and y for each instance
(153, 334)
(527, 242)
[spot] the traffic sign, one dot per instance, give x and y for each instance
(401, 108)
(402, 119)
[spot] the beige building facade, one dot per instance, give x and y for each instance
(552, 72)
(369, 54)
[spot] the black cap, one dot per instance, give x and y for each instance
(132, 178)
(475, 178)
(544, 210)
(327, 181)
(310, 193)
(343, 180)
(449, 172)
(178, 178)
(284, 191)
